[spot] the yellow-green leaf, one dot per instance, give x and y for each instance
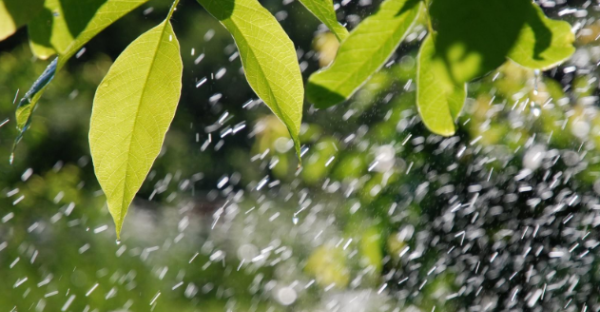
(365, 51)
(268, 57)
(323, 10)
(88, 19)
(133, 108)
(543, 43)
(439, 99)
(16, 13)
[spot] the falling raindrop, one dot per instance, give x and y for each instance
(536, 110)
(536, 78)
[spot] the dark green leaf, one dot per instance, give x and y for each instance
(16, 13)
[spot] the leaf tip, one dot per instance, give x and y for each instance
(118, 227)
(443, 132)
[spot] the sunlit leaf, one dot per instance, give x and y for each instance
(16, 13)
(323, 10)
(475, 37)
(439, 99)
(268, 57)
(365, 51)
(133, 108)
(543, 43)
(88, 18)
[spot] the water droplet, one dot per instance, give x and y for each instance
(535, 81)
(11, 159)
(295, 220)
(118, 242)
(287, 296)
(536, 110)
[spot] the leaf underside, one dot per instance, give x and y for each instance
(133, 108)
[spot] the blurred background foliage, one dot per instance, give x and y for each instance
(226, 220)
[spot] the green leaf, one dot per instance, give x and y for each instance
(439, 99)
(474, 37)
(89, 18)
(543, 43)
(323, 10)
(133, 108)
(268, 57)
(16, 13)
(64, 26)
(365, 51)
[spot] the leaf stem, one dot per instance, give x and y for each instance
(428, 17)
(172, 9)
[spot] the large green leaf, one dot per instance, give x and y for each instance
(16, 13)
(543, 43)
(474, 36)
(323, 10)
(366, 49)
(439, 99)
(268, 57)
(133, 108)
(91, 18)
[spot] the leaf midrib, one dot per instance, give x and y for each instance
(135, 121)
